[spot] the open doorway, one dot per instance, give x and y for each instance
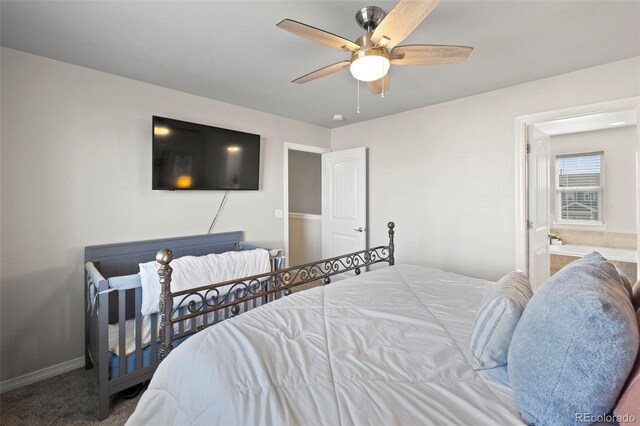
(303, 203)
(582, 189)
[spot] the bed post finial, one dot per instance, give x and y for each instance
(164, 257)
(392, 259)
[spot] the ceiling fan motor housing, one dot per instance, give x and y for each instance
(369, 51)
(369, 17)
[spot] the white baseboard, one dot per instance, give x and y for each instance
(45, 373)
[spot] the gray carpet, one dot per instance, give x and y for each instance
(68, 399)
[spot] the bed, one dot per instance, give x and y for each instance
(390, 346)
(384, 347)
(121, 344)
(302, 359)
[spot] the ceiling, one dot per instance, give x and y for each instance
(232, 51)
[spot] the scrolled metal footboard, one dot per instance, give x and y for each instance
(195, 305)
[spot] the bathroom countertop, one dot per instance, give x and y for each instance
(617, 254)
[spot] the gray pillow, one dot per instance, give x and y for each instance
(635, 298)
(628, 285)
(575, 344)
(497, 319)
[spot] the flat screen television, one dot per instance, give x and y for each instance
(189, 156)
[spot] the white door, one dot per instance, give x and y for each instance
(344, 202)
(539, 193)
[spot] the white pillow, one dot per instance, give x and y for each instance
(497, 319)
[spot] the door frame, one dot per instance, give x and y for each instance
(522, 173)
(290, 146)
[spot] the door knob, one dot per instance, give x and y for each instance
(360, 229)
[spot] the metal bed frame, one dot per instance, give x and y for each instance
(195, 307)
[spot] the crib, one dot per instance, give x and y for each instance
(113, 317)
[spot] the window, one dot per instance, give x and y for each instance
(580, 188)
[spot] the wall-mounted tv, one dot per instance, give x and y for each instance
(189, 156)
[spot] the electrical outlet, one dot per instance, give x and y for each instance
(279, 213)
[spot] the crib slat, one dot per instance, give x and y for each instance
(122, 335)
(205, 319)
(154, 337)
(227, 314)
(212, 318)
(181, 323)
(138, 305)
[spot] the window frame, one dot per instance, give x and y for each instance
(600, 189)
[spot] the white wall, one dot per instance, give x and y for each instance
(76, 171)
(619, 146)
(446, 173)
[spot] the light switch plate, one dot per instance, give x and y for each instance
(279, 213)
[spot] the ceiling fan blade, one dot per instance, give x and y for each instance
(417, 54)
(380, 85)
(317, 35)
(329, 69)
(401, 21)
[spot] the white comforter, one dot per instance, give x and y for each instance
(387, 347)
(196, 271)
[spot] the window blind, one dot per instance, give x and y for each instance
(579, 186)
(579, 170)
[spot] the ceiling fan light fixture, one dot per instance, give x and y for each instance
(369, 64)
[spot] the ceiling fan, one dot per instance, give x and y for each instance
(375, 51)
